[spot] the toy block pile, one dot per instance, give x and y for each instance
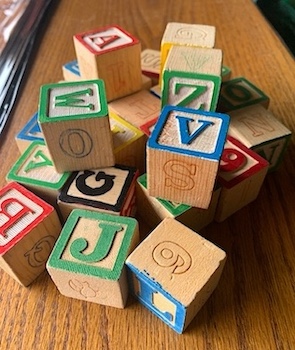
(165, 136)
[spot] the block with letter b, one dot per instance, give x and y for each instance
(112, 54)
(183, 154)
(174, 271)
(29, 228)
(88, 260)
(191, 77)
(75, 123)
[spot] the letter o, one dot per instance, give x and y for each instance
(76, 143)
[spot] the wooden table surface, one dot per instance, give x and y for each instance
(253, 306)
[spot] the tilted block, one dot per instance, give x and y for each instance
(29, 228)
(192, 77)
(30, 132)
(183, 154)
(109, 190)
(153, 210)
(138, 108)
(174, 271)
(151, 63)
(74, 120)
(238, 93)
(71, 71)
(185, 34)
(113, 55)
(258, 129)
(241, 175)
(88, 260)
(35, 170)
(129, 143)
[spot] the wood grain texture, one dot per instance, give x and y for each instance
(253, 306)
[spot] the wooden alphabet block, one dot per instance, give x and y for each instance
(138, 108)
(35, 170)
(29, 228)
(151, 63)
(148, 127)
(238, 93)
(185, 34)
(174, 271)
(192, 77)
(153, 210)
(129, 143)
(74, 120)
(29, 133)
(241, 175)
(183, 154)
(258, 129)
(110, 190)
(71, 71)
(88, 260)
(113, 55)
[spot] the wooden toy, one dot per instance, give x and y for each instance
(129, 143)
(174, 271)
(113, 55)
(183, 154)
(138, 108)
(241, 175)
(88, 259)
(192, 77)
(34, 170)
(153, 210)
(258, 129)
(148, 127)
(29, 133)
(109, 190)
(29, 228)
(185, 34)
(71, 71)
(151, 63)
(225, 73)
(239, 93)
(74, 120)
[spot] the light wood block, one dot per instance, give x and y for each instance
(107, 190)
(29, 228)
(88, 260)
(258, 129)
(74, 120)
(138, 108)
(174, 271)
(238, 93)
(34, 169)
(129, 143)
(183, 154)
(71, 71)
(151, 63)
(30, 132)
(192, 77)
(185, 34)
(153, 210)
(241, 175)
(113, 55)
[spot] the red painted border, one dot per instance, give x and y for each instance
(47, 209)
(146, 127)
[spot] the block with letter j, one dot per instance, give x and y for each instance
(183, 154)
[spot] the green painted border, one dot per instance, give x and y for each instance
(43, 102)
(13, 176)
(55, 260)
(167, 75)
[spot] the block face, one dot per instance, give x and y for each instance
(105, 189)
(171, 260)
(239, 93)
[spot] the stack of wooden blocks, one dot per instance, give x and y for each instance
(164, 135)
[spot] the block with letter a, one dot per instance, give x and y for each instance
(241, 175)
(29, 228)
(108, 190)
(112, 54)
(174, 271)
(88, 260)
(191, 77)
(74, 120)
(183, 154)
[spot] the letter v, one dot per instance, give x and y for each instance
(44, 161)
(185, 136)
